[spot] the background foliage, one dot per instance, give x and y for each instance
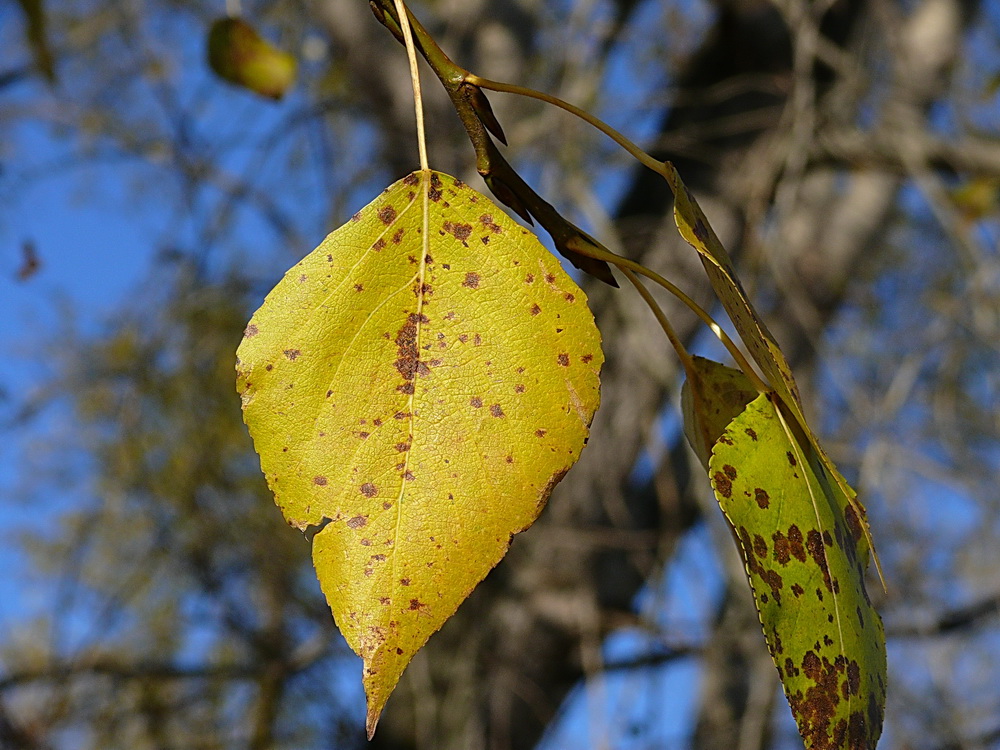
(846, 149)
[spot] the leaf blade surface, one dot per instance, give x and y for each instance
(417, 399)
(805, 554)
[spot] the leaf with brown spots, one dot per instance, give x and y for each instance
(805, 555)
(463, 380)
(760, 342)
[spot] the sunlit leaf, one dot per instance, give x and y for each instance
(415, 387)
(238, 54)
(805, 553)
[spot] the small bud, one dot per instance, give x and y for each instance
(475, 96)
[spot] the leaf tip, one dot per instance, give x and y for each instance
(371, 722)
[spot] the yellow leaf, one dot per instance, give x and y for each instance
(415, 388)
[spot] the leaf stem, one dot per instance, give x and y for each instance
(570, 240)
(418, 101)
(641, 156)
(661, 318)
(627, 266)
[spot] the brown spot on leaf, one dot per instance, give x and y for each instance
(540, 433)
(359, 287)
(563, 359)
(356, 217)
(411, 179)
(791, 458)
(529, 278)
(519, 388)
(358, 522)
(814, 543)
(292, 354)
(815, 710)
(569, 297)
(434, 193)
(551, 278)
(797, 590)
(759, 546)
(398, 236)
(487, 221)
(408, 476)
(700, 231)
(535, 309)
(782, 549)
(319, 481)
(790, 669)
(379, 245)
(251, 330)
(752, 433)
(471, 280)
(387, 215)
(269, 367)
(761, 496)
(369, 490)
(408, 356)
(587, 359)
(404, 581)
(496, 411)
(460, 232)
(730, 472)
(722, 485)
(416, 604)
(795, 543)
(854, 524)
(476, 402)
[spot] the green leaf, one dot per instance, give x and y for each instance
(805, 552)
(415, 388)
(238, 54)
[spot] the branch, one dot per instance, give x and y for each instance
(654, 659)
(139, 670)
(976, 156)
(951, 622)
